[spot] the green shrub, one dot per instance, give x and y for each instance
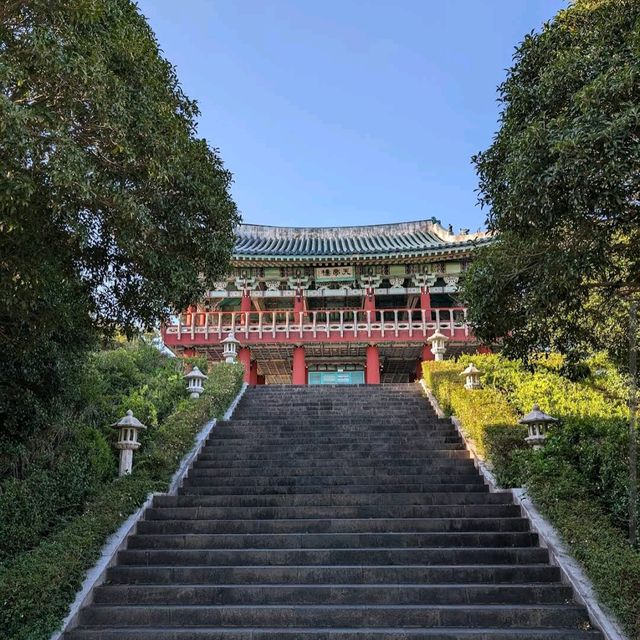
(610, 562)
(480, 409)
(506, 448)
(37, 586)
(580, 479)
(476, 409)
(51, 477)
(441, 377)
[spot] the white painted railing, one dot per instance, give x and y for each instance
(330, 323)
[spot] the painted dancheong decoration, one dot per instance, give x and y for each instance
(349, 304)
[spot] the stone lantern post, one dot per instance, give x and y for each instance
(538, 424)
(127, 440)
(230, 348)
(472, 377)
(438, 347)
(195, 379)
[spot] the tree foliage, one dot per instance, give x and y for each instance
(112, 211)
(562, 183)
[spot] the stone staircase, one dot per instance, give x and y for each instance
(322, 513)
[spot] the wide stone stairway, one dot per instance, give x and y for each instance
(334, 513)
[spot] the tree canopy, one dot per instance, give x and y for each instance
(561, 181)
(112, 210)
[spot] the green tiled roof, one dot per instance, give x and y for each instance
(403, 239)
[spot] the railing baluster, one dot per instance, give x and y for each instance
(332, 322)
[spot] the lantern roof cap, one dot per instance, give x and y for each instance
(196, 374)
(437, 336)
(129, 420)
(537, 416)
(469, 370)
(230, 339)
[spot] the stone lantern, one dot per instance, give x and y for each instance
(127, 440)
(538, 424)
(195, 379)
(472, 377)
(230, 348)
(438, 346)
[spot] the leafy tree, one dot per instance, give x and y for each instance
(562, 183)
(112, 211)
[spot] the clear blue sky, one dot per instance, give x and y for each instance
(336, 112)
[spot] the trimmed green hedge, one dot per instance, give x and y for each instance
(37, 587)
(608, 559)
(580, 479)
(478, 410)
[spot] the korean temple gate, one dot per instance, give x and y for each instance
(334, 305)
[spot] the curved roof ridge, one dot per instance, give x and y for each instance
(407, 238)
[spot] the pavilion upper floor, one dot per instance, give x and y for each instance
(345, 263)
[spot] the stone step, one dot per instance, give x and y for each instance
(301, 594)
(211, 469)
(336, 511)
(299, 500)
(379, 422)
(290, 440)
(362, 525)
(286, 462)
(473, 483)
(302, 454)
(332, 540)
(309, 540)
(326, 450)
(424, 441)
(319, 500)
(201, 477)
(340, 574)
(324, 633)
(505, 616)
(373, 555)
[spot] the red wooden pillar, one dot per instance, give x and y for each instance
(373, 365)
(426, 353)
(244, 357)
(245, 301)
(298, 303)
(369, 300)
(253, 373)
(425, 302)
(299, 369)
